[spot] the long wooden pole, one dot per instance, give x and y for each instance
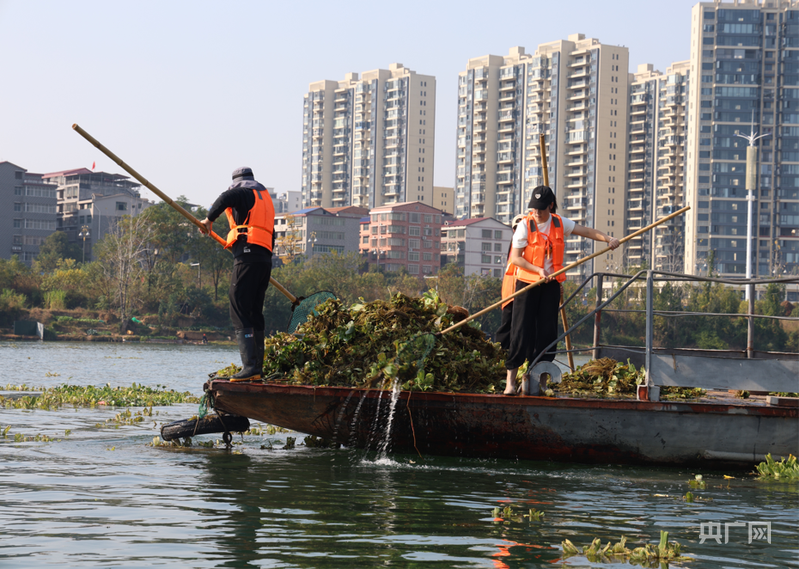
(293, 299)
(566, 268)
(563, 317)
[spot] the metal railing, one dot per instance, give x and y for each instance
(642, 355)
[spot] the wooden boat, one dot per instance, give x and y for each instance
(717, 430)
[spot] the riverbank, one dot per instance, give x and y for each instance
(81, 325)
(112, 338)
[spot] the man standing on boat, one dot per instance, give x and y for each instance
(536, 253)
(251, 215)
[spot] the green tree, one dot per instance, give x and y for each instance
(70, 278)
(53, 249)
(121, 254)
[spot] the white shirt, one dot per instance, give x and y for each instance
(520, 236)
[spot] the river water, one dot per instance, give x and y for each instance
(102, 497)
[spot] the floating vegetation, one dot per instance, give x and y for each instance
(604, 377)
(784, 470)
(358, 346)
(316, 442)
(508, 514)
(289, 443)
(76, 396)
(646, 556)
(127, 417)
(697, 482)
(266, 430)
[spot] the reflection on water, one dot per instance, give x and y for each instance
(101, 497)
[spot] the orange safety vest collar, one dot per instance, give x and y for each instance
(259, 224)
(539, 246)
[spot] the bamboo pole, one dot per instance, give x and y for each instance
(566, 268)
(293, 299)
(563, 317)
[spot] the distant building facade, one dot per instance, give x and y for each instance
(369, 141)
(316, 230)
(403, 236)
(656, 166)
(479, 246)
(90, 203)
(744, 80)
(287, 202)
(573, 92)
(27, 212)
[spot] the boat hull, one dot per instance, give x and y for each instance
(526, 428)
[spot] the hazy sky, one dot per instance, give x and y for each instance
(187, 91)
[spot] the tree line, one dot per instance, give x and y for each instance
(158, 264)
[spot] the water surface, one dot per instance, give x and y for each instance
(101, 497)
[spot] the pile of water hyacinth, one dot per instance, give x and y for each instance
(383, 342)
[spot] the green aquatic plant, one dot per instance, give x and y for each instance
(77, 396)
(604, 377)
(786, 470)
(646, 556)
(508, 514)
(365, 344)
(697, 482)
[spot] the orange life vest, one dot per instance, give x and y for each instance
(539, 246)
(259, 224)
(508, 283)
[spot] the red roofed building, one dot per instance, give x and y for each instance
(403, 236)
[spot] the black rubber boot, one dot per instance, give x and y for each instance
(249, 370)
(259, 351)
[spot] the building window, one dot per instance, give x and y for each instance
(486, 234)
(485, 259)
(121, 206)
(486, 247)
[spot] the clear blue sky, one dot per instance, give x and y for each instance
(186, 91)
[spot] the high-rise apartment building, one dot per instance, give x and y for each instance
(656, 165)
(575, 93)
(27, 212)
(744, 81)
(369, 142)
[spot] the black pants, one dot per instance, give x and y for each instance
(248, 285)
(534, 324)
(502, 334)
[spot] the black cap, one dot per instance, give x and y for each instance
(541, 198)
(243, 173)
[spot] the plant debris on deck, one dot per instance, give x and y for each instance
(606, 377)
(363, 344)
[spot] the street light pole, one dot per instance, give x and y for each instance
(751, 186)
(198, 273)
(84, 232)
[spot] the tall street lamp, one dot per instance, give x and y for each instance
(751, 186)
(198, 273)
(84, 233)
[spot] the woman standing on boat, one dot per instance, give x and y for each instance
(536, 253)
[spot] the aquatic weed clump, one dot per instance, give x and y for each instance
(366, 343)
(604, 377)
(607, 377)
(136, 395)
(786, 470)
